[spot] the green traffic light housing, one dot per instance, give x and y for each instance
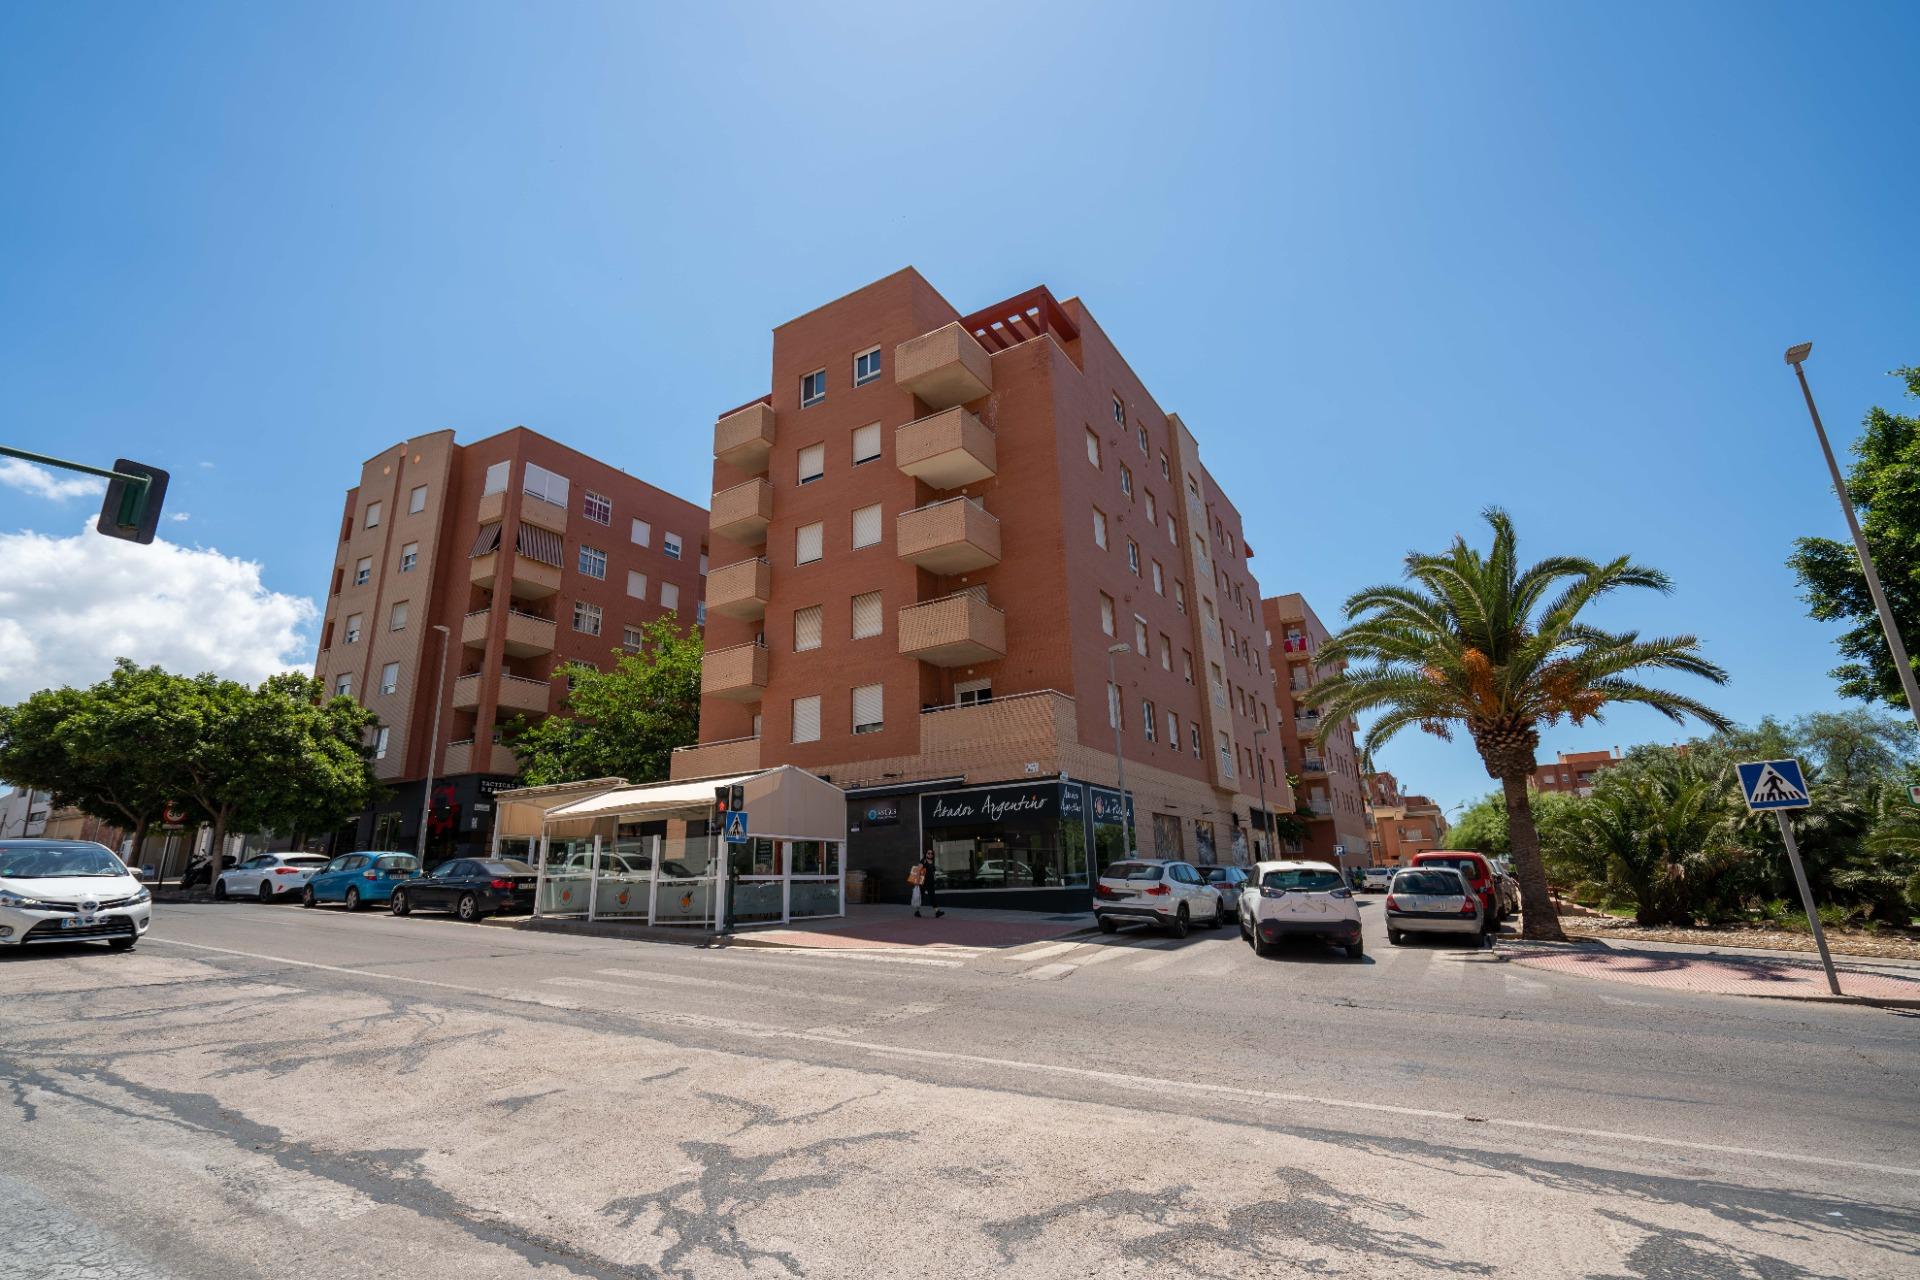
(135, 493)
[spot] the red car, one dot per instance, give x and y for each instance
(1480, 875)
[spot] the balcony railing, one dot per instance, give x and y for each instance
(529, 579)
(944, 368)
(547, 515)
(711, 759)
(954, 631)
(517, 693)
(955, 536)
(744, 437)
(738, 674)
(741, 514)
(740, 590)
(946, 450)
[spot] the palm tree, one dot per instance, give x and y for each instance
(1477, 642)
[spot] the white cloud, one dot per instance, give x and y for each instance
(70, 606)
(43, 482)
(180, 517)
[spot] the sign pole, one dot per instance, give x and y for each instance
(1806, 900)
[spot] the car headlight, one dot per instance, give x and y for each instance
(8, 898)
(140, 897)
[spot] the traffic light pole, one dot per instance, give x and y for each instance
(133, 498)
(131, 509)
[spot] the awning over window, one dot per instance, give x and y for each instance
(540, 544)
(487, 543)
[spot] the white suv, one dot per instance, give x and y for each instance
(1157, 891)
(1299, 900)
(69, 891)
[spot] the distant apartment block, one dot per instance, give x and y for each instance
(1573, 773)
(927, 537)
(530, 555)
(1332, 798)
(1402, 824)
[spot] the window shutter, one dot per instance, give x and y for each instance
(636, 584)
(1106, 613)
(669, 596)
(642, 533)
(867, 618)
(806, 719)
(866, 526)
(496, 477)
(806, 544)
(813, 462)
(806, 629)
(867, 704)
(866, 443)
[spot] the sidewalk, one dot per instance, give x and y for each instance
(1724, 971)
(875, 925)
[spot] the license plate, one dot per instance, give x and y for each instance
(73, 922)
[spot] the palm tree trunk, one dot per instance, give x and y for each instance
(1539, 921)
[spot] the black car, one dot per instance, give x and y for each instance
(1228, 882)
(470, 888)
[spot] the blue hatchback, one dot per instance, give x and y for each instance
(359, 878)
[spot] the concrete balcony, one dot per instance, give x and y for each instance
(944, 368)
(517, 693)
(466, 693)
(744, 437)
(741, 514)
(738, 674)
(493, 507)
(712, 759)
(465, 756)
(946, 450)
(527, 579)
(954, 631)
(955, 536)
(740, 590)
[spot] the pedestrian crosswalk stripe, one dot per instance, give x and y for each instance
(1043, 953)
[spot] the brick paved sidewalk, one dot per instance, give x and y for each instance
(1706, 973)
(885, 925)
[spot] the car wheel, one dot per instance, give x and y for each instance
(306, 897)
(1394, 936)
(1108, 924)
(353, 898)
(1356, 951)
(1219, 914)
(219, 890)
(1246, 935)
(1260, 945)
(399, 905)
(121, 944)
(1180, 922)
(266, 892)
(468, 908)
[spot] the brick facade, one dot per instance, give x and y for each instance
(1330, 782)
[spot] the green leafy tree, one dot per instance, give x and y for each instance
(1857, 747)
(1482, 825)
(1659, 831)
(1477, 642)
(622, 723)
(1884, 483)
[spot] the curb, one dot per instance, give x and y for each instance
(1589, 946)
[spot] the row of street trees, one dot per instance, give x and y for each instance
(278, 756)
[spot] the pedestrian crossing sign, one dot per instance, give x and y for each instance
(736, 826)
(1773, 784)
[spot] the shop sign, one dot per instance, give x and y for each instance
(1106, 806)
(990, 805)
(489, 786)
(881, 813)
(1073, 803)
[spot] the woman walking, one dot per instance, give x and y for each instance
(921, 878)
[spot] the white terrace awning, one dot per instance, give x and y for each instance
(656, 799)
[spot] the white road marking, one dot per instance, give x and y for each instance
(1015, 1068)
(644, 977)
(1166, 957)
(1042, 953)
(876, 957)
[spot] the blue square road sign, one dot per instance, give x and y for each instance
(1773, 784)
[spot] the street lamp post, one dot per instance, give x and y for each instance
(433, 747)
(1115, 712)
(1796, 356)
(1260, 776)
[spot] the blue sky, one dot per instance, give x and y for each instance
(1391, 262)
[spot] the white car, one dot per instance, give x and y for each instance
(268, 876)
(69, 891)
(1299, 900)
(1158, 891)
(1431, 899)
(1376, 879)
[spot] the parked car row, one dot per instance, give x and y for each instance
(468, 887)
(1498, 891)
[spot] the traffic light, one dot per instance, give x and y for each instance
(132, 510)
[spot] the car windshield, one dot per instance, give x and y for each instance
(49, 861)
(504, 868)
(1310, 879)
(1426, 882)
(1465, 866)
(1132, 871)
(398, 862)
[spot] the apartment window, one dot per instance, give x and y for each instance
(1140, 434)
(1149, 719)
(670, 545)
(670, 596)
(593, 561)
(1166, 473)
(1106, 613)
(867, 618)
(390, 678)
(586, 618)
(343, 686)
(1194, 730)
(636, 584)
(353, 628)
(1159, 580)
(1113, 705)
(806, 718)
(806, 628)
(1133, 557)
(703, 564)
(642, 533)
(381, 737)
(806, 543)
(1140, 635)
(397, 616)
(1126, 480)
(496, 478)
(866, 526)
(969, 693)
(373, 514)
(409, 557)
(1166, 652)
(1173, 731)
(813, 389)
(1186, 665)
(597, 507)
(417, 500)
(630, 637)
(1179, 596)
(363, 571)
(1218, 683)
(700, 612)
(866, 367)
(1119, 411)
(868, 704)
(1226, 753)
(549, 486)
(1099, 528)
(866, 443)
(1153, 512)
(813, 463)
(1093, 447)
(1173, 531)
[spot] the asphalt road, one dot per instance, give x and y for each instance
(265, 1091)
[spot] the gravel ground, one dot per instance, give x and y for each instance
(1853, 942)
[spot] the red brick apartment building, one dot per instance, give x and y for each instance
(530, 555)
(1403, 825)
(926, 539)
(1330, 784)
(1574, 772)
